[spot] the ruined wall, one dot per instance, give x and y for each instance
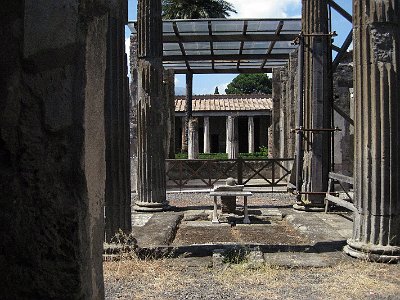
(285, 95)
(52, 148)
(343, 140)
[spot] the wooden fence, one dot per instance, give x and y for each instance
(197, 173)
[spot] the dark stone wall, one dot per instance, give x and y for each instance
(52, 148)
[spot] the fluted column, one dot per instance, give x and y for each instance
(250, 127)
(151, 120)
(317, 107)
(206, 135)
(232, 143)
(376, 231)
(193, 139)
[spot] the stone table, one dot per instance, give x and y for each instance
(243, 194)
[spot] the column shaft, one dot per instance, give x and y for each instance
(169, 89)
(232, 143)
(250, 127)
(206, 135)
(317, 103)
(376, 231)
(193, 139)
(151, 161)
(188, 110)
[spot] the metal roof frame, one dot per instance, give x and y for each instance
(204, 46)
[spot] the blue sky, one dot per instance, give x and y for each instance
(205, 84)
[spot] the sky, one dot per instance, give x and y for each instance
(205, 84)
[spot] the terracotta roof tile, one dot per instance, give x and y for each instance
(226, 103)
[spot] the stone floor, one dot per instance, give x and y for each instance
(281, 234)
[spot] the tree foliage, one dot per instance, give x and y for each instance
(196, 9)
(250, 84)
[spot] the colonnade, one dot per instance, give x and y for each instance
(232, 136)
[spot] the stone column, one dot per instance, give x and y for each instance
(151, 121)
(52, 148)
(274, 140)
(317, 104)
(376, 231)
(133, 112)
(206, 135)
(188, 110)
(183, 134)
(118, 198)
(193, 139)
(232, 142)
(250, 127)
(169, 87)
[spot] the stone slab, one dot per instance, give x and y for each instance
(301, 260)
(159, 230)
(197, 215)
(139, 219)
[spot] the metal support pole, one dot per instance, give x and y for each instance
(299, 150)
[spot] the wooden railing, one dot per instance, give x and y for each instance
(197, 173)
(342, 180)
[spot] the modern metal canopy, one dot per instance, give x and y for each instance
(227, 45)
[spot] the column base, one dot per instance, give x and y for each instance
(150, 206)
(308, 207)
(375, 253)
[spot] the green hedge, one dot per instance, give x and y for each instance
(255, 155)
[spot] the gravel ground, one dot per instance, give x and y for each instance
(192, 200)
(177, 279)
(163, 279)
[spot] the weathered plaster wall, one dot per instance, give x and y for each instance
(52, 148)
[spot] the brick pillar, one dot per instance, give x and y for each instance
(376, 231)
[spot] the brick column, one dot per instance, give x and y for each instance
(376, 231)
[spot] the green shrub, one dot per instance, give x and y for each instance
(256, 155)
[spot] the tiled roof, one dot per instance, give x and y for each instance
(226, 103)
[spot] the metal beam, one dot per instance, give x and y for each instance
(272, 45)
(343, 50)
(176, 31)
(211, 43)
(335, 48)
(232, 70)
(230, 38)
(343, 114)
(245, 24)
(227, 57)
(340, 10)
